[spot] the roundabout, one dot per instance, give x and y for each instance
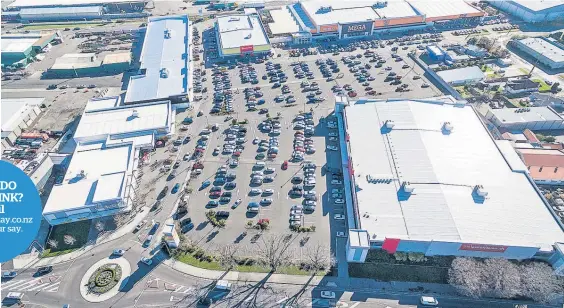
(104, 279)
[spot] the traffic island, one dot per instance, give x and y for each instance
(103, 280)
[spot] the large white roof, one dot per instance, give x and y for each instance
(241, 30)
(15, 110)
(164, 60)
(526, 115)
(121, 120)
(17, 44)
(40, 3)
(283, 22)
(105, 175)
(443, 169)
(539, 5)
(545, 47)
(443, 8)
(341, 11)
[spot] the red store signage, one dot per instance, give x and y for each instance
(483, 247)
(248, 48)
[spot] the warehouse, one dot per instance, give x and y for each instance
(462, 76)
(546, 51)
(434, 181)
(20, 49)
(75, 65)
(241, 35)
(344, 19)
(21, 4)
(61, 13)
(101, 179)
(518, 119)
(532, 11)
(18, 114)
(166, 62)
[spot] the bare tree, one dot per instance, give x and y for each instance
(53, 243)
(274, 251)
(501, 278)
(120, 219)
(465, 274)
(539, 282)
(69, 239)
(227, 256)
(318, 257)
(100, 226)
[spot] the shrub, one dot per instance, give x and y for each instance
(234, 122)
(400, 256)
(312, 228)
(416, 257)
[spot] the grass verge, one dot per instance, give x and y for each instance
(543, 87)
(79, 230)
(214, 265)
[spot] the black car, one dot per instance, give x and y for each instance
(163, 192)
(44, 270)
(222, 214)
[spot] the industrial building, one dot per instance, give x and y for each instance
(17, 115)
(433, 180)
(241, 35)
(166, 62)
(66, 10)
(102, 176)
(518, 119)
(546, 166)
(546, 51)
(532, 11)
(462, 76)
(88, 64)
(20, 49)
(332, 19)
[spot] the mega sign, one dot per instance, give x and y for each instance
(360, 27)
(248, 48)
(483, 247)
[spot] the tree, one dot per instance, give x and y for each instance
(100, 226)
(555, 87)
(549, 139)
(472, 40)
(318, 258)
(538, 282)
(501, 278)
(69, 239)
(273, 251)
(227, 256)
(120, 219)
(53, 243)
(465, 274)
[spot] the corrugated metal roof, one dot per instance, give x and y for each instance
(164, 60)
(524, 115)
(241, 30)
(545, 47)
(462, 74)
(443, 8)
(14, 44)
(443, 168)
(61, 10)
(340, 12)
(540, 5)
(43, 3)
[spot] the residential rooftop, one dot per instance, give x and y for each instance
(461, 74)
(241, 30)
(165, 60)
(441, 148)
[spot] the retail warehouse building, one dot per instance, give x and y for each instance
(532, 11)
(546, 51)
(112, 139)
(166, 62)
(241, 35)
(434, 181)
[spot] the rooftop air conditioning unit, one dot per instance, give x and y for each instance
(82, 174)
(407, 187)
(480, 191)
(167, 33)
(249, 36)
(448, 127)
(390, 124)
(134, 113)
(164, 73)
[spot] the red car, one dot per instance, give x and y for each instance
(299, 149)
(215, 194)
(298, 133)
(198, 166)
(352, 94)
(237, 154)
(285, 165)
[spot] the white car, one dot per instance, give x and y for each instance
(336, 191)
(295, 217)
(118, 252)
(332, 148)
(256, 140)
(341, 234)
(146, 261)
(333, 134)
(310, 203)
(339, 217)
(336, 182)
(270, 170)
(339, 201)
(429, 301)
(328, 294)
(255, 191)
(9, 274)
(268, 191)
(332, 138)
(266, 201)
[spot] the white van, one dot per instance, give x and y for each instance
(14, 296)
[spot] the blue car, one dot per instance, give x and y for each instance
(175, 188)
(206, 184)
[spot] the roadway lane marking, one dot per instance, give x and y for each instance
(20, 284)
(39, 286)
(53, 288)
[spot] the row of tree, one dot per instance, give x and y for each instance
(501, 278)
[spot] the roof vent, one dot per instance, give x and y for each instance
(164, 73)
(407, 187)
(167, 33)
(448, 127)
(134, 113)
(480, 191)
(249, 36)
(82, 174)
(390, 124)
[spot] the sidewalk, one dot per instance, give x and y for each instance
(32, 259)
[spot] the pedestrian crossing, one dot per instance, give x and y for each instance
(44, 284)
